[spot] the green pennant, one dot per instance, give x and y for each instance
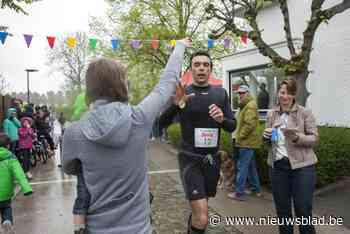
(92, 43)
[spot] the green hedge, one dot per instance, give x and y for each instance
(333, 153)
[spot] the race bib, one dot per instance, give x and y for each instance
(206, 137)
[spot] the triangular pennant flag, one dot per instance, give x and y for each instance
(28, 39)
(92, 43)
(155, 44)
(173, 43)
(71, 42)
(136, 44)
(3, 36)
(115, 44)
(227, 43)
(244, 38)
(210, 43)
(51, 41)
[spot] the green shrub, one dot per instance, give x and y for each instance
(333, 153)
(174, 133)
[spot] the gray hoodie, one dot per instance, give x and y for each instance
(110, 141)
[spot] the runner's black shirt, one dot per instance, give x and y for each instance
(196, 115)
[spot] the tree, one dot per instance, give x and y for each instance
(297, 65)
(4, 84)
(16, 4)
(163, 20)
(71, 62)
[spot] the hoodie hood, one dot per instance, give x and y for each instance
(108, 124)
(10, 111)
(4, 153)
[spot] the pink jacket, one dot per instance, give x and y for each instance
(26, 136)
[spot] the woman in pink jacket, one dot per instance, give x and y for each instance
(25, 144)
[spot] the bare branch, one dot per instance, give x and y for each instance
(197, 25)
(316, 5)
(337, 9)
(317, 17)
(287, 28)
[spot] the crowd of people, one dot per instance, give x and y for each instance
(23, 126)
(106, 148)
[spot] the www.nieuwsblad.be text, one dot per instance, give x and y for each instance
(216, 220)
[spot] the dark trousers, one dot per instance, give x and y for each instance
(6, 211)
(295, 185)
(13, 147)
(24, 157)
(82, 202)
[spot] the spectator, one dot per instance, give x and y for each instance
(247, 140)
(10, 172)
(117, 132)
(25, 144)
(291, 132)
(263, 97)
(11, 125)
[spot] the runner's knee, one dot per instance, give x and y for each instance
(200, 220)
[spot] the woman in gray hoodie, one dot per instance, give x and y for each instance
(110, 144)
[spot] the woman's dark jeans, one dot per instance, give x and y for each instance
(297, 184)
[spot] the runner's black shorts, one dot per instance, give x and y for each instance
(199, 178)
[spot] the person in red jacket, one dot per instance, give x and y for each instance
(25, 144)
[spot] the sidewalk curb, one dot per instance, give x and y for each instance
(330, 187)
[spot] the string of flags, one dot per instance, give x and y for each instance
(71, 42)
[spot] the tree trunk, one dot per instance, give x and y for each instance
(302, 92)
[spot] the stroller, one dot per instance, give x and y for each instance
(40, 152)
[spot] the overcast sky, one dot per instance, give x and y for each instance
(46, 18)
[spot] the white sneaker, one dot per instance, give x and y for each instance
(7, 227)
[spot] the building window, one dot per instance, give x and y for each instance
(262, 82)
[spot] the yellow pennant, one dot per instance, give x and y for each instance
(173, 43)
(71, 42)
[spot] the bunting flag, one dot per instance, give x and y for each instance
(92, 43)
(136, 44)
(210, 43)
(28, 39)
(51, 41)
(71, 42)
(173, 43)
(115, 44)
(3, 36)
(244, 38)
(155, 44)
(227, 43)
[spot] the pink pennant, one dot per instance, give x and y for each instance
(244, 38)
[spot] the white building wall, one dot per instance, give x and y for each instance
(329, 82)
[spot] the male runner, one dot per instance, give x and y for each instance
(203, 110)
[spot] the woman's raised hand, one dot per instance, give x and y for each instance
(186, 41)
